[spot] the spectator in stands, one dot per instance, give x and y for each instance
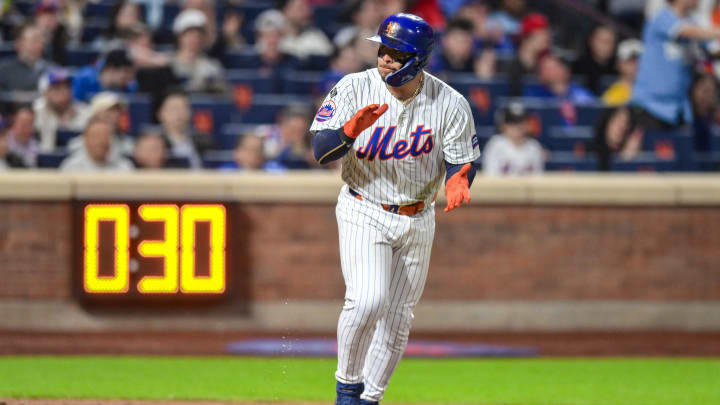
(704, 98)
(661, 91)
(287, 144)
(124, 16)
(247, 155)
(620, 92)
(175, 116)
(141, 49)
(8, 160)
(111, 108)
(56, 110)
(554, 77)
(47, 18)
(343, 61)
(513, 152)
(509, 17)
(10, 20)
(617, 135)
(272, 61)
(597, 60)
(151, 152)
(535, 39)
(457, 54)
(152, 69)
(189, 63)
(114, 72)
(71, 17)
(22, 139)
(364, 17)
(301, 38)
(22, 72)
(485, 33)
(96, 152)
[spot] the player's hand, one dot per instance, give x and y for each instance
(362, 119)
(457, 189)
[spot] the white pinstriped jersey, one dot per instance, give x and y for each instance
(399, 159)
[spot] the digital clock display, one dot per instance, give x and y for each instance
(155, 251)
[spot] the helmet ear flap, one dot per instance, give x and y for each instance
(406, 73)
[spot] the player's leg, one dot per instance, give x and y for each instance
(366, 257)
(411, 259)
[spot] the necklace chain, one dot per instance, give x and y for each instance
(417, 91)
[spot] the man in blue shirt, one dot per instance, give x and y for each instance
(555, 84)
(660, 94)
(115, 72)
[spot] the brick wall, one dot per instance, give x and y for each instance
(35, 250)
(481, 252)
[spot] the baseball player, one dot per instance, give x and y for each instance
(401, 132)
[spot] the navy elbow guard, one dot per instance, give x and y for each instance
(330, 145)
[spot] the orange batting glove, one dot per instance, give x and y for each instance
(457, 189)
(362, 120)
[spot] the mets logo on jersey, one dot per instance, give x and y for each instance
(379, 144)
(326, 112)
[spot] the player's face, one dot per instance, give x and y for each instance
(390, 60)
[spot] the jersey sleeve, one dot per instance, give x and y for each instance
(337, 108)
(460, 143)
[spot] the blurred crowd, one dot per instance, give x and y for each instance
(71, 70)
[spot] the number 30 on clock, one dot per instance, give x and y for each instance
(177, 248)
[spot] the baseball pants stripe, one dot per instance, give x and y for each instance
(385, 259)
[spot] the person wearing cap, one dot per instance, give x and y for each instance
(620, 92)
(661, 91)
(114, 72)
(189, 63)
(23, 71)
(535, 39)
(513, 152)
(56, 110)
(96, 152)
(109, 107)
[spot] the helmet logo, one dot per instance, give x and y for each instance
(392, 28)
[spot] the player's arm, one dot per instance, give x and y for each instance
(458, 180)
(332, 144)
(696, 32)
(462, 150)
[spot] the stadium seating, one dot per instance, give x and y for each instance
(51, 160)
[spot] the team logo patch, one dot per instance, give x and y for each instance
(326, 112)
(392, 28)
(475, 141)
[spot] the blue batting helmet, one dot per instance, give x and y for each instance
(406, 33)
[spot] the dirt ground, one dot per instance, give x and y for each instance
(214, 343)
